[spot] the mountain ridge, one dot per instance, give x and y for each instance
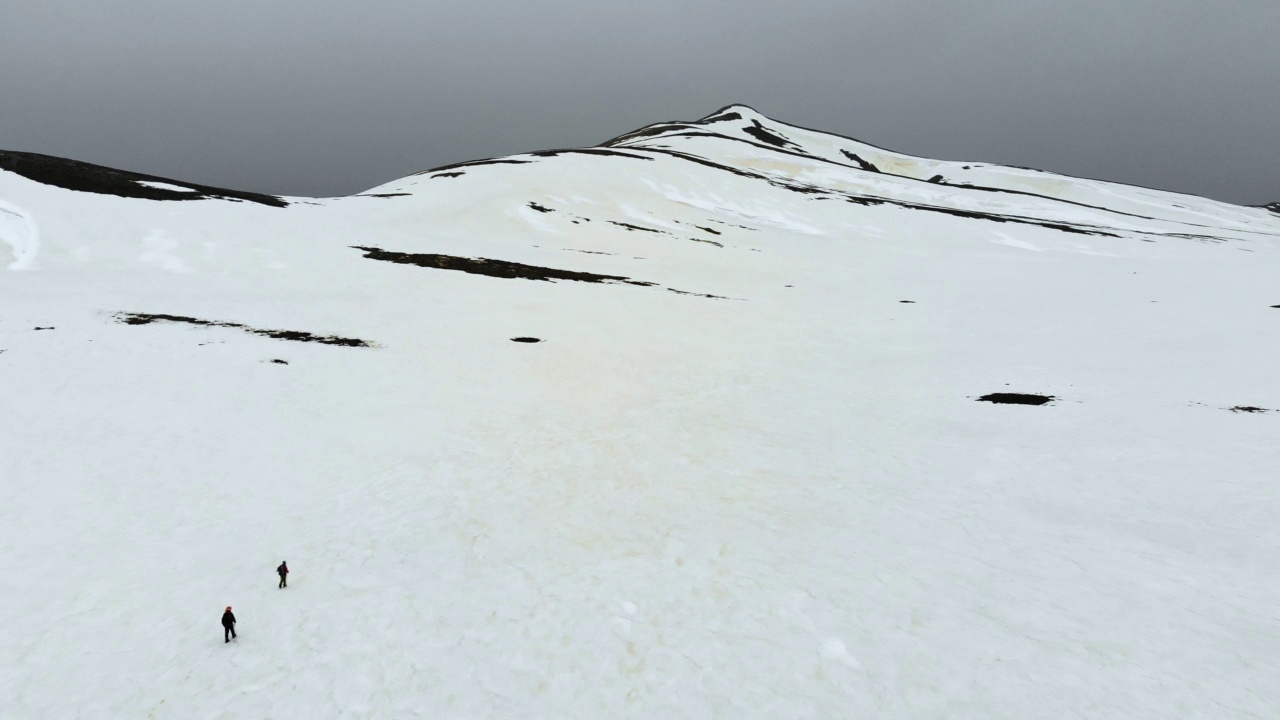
(759, 129)
(734, 142)
(720, 420)
(88, 177)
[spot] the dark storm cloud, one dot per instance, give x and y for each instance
(327, 97)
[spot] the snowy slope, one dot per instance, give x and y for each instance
(744, 473)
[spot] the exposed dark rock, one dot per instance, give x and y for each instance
(540, 208)
(709, 163)
(704, 229)
(702, 129)
(993, 217)
(591, 151)
(763, 134)
(493, 268)
(741, 227)
(1005, 398)
(447, 175)
(909, 302)
(504, 269)
(936, 179)
(469, 164)
(649, 131)
(300, 336)
(861, 163)
(85, 177)
(50, 327)
(1190, 236)
(802, 188)
(629, 226)
(1248, 409)
(980, 188)
(295, 335)
(526, 339)
(385, 195)
(704, 295)
(278, 361)
(872, 200)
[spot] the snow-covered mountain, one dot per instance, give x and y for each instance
(725, 418)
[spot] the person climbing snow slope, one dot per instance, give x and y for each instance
(228, 625)
(283, 572)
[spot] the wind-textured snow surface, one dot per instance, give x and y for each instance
(743, 472)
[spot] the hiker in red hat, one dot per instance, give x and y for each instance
(228, 625)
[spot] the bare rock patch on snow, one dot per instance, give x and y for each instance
(651, 130)
(507, 269)
(640, 228)
(1009, 398)
(86, 177)
(295, 335)
(637, 228)
(763, 134)
(606, 152)
(494, 268)
(824, 193)
(863, 164)
(701, 295)
(722, 117)
(436, 172)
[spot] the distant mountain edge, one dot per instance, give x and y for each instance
(87, 177)
(736, 122)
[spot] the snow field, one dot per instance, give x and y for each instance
(785, 504)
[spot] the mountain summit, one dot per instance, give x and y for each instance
(724, 417)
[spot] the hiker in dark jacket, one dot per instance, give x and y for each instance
(283, 572)
(228, 625)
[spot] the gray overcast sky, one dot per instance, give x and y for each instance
(328, 97)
